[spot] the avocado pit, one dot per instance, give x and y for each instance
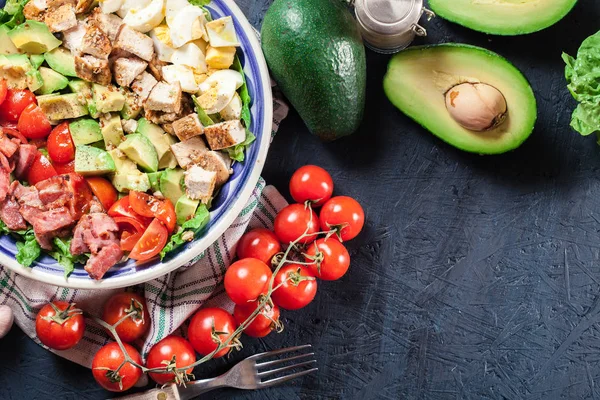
(476, 106)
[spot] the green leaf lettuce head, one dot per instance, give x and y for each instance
(194, 225)
(583, 78)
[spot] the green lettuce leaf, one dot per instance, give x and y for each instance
(194, 225)
(28, 249)
(237, 152)
(202, 115)
(12, 14)
(199, 3)
(62, 254)
(583, 77)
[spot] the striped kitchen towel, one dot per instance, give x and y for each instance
(171, 299)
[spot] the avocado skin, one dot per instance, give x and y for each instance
(315, 52)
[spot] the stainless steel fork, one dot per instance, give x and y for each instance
(247, 374)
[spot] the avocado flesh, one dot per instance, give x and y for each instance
(52, 81)
(170, 184)
(62, 61)
(418, 78)
(6, 45)
(503, 17)
(33, 37)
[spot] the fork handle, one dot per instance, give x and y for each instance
(196, 388)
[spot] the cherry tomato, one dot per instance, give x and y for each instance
(3, 90)
(122, 209)
(34, 124)
(263, 324)
(83, 194)
(131, 231)
(61, 148)
(311, 183)
(14, 133)
(108, 359)
(59, 330)
(164, 352)
(40, 170)
(292, 221)
(344, 214)
(121, 304)
(247, 279)
(149, 206)
(151, 243)
(331, 258)
(103, 190)
(14, 104)
(258, 243)
(298, 287)
(203, 326)
(64, 168)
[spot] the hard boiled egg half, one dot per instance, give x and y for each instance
(217, 91)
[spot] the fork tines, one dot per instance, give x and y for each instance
(300, 368)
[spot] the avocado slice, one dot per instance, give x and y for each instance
(505, 17)
(33, 37)
(84, 92)
(85, 131)
(161, 140)
(93, 161)
(107, 98)
(170, 184)
(140, 150)
(321, 40)
(132, 107)
(35, 81)
(6, 45)
(15, 68)
(62, 61)
(127, 176)
(36, 60)
(112, 130)
(52, 82)
(154, 179)
(419, 78)
(185, 209)
(63, 106)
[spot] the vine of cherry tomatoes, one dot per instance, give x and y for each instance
(261, 283)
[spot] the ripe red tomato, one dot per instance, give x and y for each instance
(264, 323)
(311, 183)
(64, 168)
(343, 214)
(131, 231)
(3, 90)
(62, 329)
(247, 279)
(151, 243)
(298, 287)
(14, 104)
(34, 124)
(121, 304)
(164, 351)
(293, 221)
(203, 327)
(108, 359)
(150, 206)
(61, 148)
(40, 170)
(122, 208)
(103, 190)
(330, 256)
(260, 243)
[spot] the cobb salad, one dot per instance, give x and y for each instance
(120, 121)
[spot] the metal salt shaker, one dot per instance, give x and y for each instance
(389, 26)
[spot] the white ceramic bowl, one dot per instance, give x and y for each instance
(226, 207)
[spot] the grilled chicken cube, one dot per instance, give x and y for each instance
(189, 152)
(225, 134)
(126, 69)
(133, 42)
(109, 23)
(156, 68)
(35, 10)
(199, 183)
(61, 19)
(95, 42)
(129, 125)
(93, 69)
(83, 6)
(218, 162)
(73, 38)
(142, 85)
(165, 97)
(188, 127)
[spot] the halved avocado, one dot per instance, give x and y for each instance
(503, 17)
(418, 79)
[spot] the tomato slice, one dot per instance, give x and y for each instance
(83, 194)
(122, 209)
(149, 206)
(64, 168)
(61, 148)
(3, 90)
(151, 243)
(40, 170)
(15, 102)
(14, 133)
(131, 231)
(103, 190)
(33, 123)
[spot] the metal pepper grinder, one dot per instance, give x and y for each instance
(389, 26)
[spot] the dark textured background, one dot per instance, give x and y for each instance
(475, 278)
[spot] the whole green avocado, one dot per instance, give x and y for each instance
(315, 52)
